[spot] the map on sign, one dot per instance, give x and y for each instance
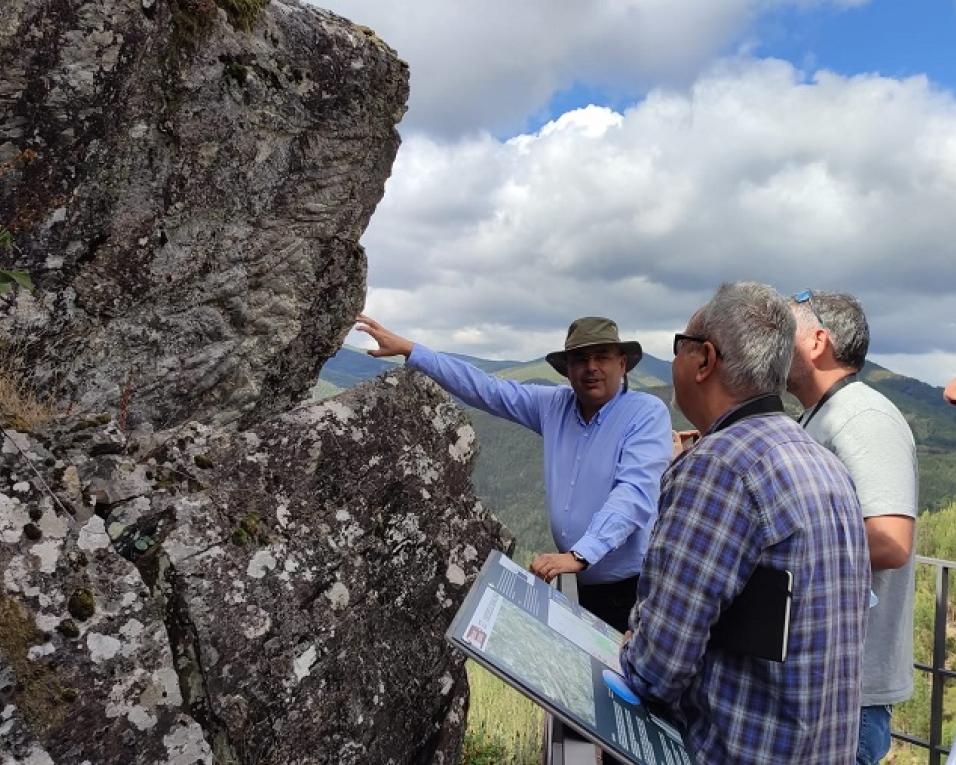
(563, 658)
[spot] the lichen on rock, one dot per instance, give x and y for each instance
(282, 623)
(205, 225)
(194, 570)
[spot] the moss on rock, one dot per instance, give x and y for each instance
(192, 19)
(68, 629)
(38, 694)
(243, 13)
(82, 604)
(204, 461)
(251, 530)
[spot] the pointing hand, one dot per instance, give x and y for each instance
(389, 344)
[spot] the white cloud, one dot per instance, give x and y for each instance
(936, 368)
(493, 64)
(754, 172)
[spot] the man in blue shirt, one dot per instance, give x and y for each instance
(604, 451)
(756, 490)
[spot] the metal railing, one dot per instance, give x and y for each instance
(937, 669)
(558, 750)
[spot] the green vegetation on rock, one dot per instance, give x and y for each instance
(251, 530)
(243, 13)
(82, 604)
(192, 19)
(38, 693)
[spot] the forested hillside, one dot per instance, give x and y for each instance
(508, 474)
(936, 538)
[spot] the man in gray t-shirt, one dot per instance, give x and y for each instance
(871, 437)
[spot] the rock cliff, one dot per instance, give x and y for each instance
(275, 595)
(186, 182)
(196, 567)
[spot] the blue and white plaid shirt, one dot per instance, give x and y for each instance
(761, 492)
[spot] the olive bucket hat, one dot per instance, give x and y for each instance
(593, 330)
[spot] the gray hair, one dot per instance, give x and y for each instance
(753, 328)
(841, 315)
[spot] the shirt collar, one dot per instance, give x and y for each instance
(602, 413)
(765, 403)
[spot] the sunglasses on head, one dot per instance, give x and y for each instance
(806, 296)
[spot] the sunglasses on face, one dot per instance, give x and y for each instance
(680, 338)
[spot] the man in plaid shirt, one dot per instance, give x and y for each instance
(756, 490)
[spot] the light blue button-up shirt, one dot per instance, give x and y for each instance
(602, 477)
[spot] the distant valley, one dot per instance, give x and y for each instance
(508, 474)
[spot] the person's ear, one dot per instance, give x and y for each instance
(708, 361)
(821, 341)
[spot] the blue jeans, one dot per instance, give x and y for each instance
(874, 735)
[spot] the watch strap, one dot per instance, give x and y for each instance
(580, 558)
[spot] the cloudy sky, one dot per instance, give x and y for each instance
(623, 157)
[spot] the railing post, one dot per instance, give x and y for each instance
(936, 668)
(939, 663)
(560, 749)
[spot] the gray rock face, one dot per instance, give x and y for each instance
(280, 600)
(188, 197)
(194, 571)
(86, 670)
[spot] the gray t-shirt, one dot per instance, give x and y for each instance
(871, 437)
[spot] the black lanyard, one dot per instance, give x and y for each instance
(769, 402)
(831, 392)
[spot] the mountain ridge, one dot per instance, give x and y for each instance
(508, 473)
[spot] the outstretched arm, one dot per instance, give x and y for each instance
(504, 398)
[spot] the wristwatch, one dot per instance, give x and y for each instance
(580, 558)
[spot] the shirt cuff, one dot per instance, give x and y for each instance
(631, 677)
(420, 356)
(591, 549)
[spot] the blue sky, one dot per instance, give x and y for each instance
(623, 157)
(896, 38)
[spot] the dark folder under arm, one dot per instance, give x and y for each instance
(757, 623)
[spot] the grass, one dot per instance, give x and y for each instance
(504, 727)
(905, 754)
(21, 407)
